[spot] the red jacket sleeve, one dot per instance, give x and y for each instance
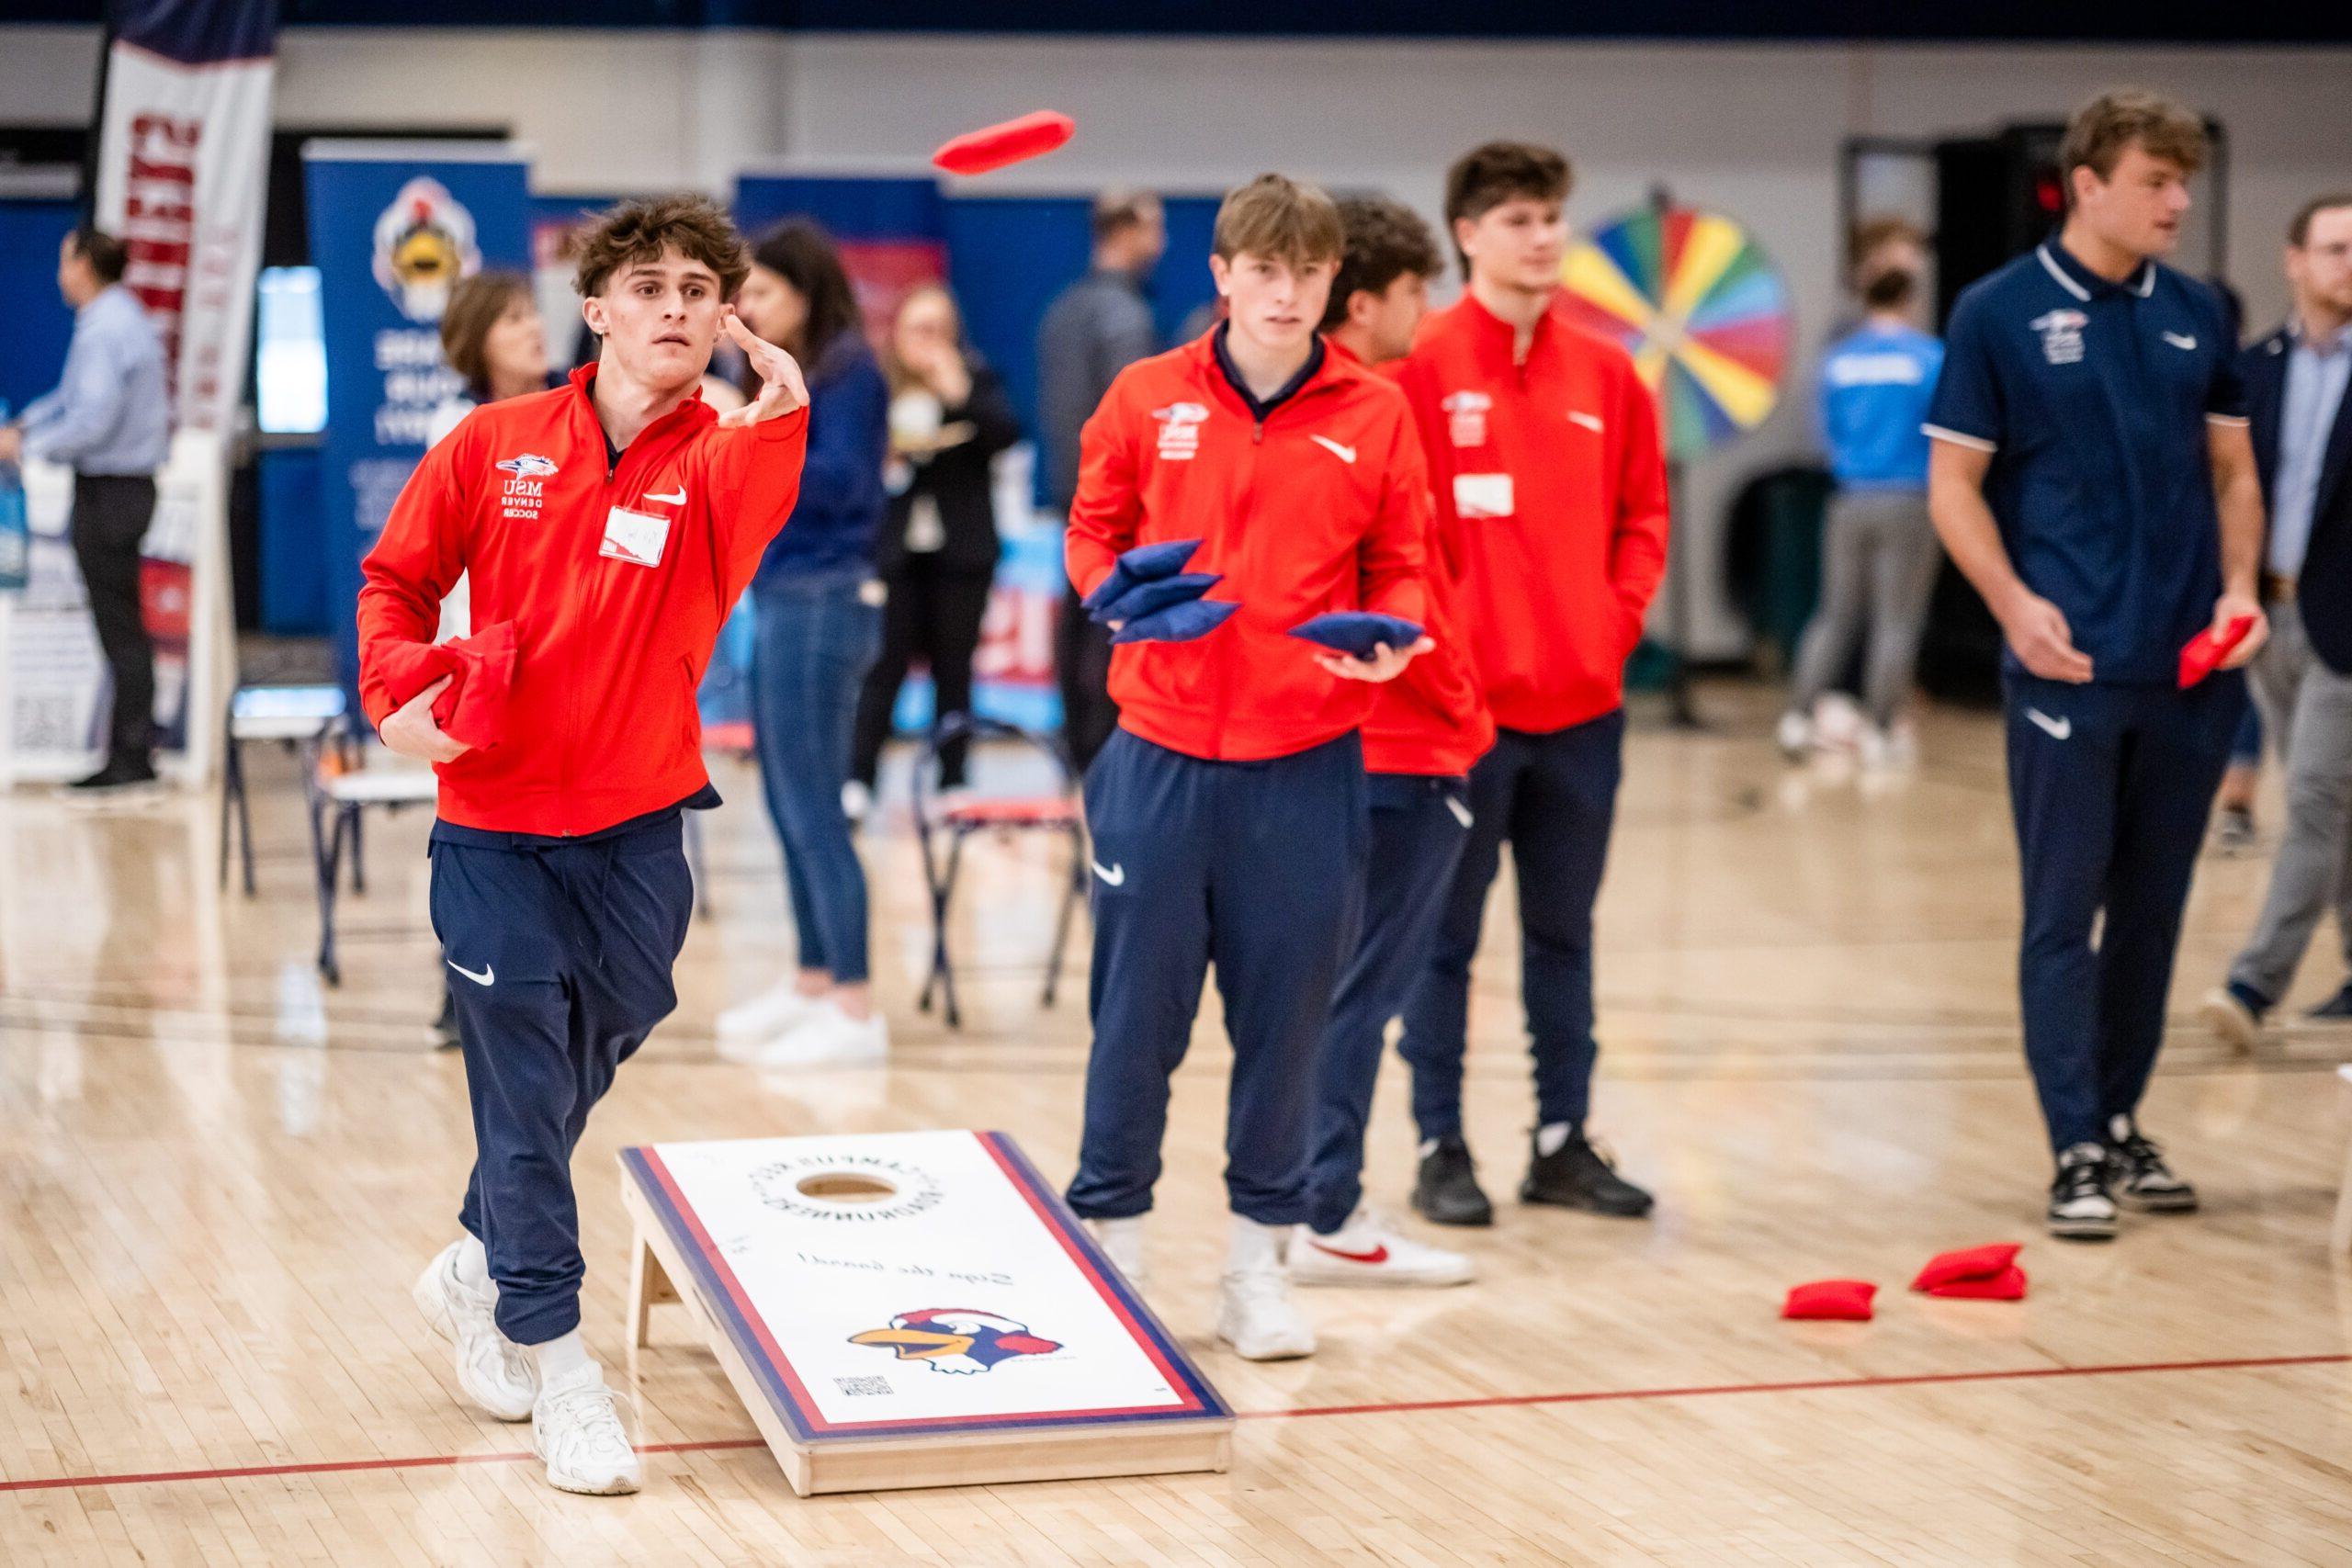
(751, 478)
(1392, 555)
(1637, 548)
(1108, 508)
(417, 560)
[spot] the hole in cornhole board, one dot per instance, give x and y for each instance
(846, 1187)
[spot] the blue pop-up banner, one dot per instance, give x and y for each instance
(394, 226)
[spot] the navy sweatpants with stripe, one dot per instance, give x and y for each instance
(2110, 786)
(1258, 869)
(1554, 796)
(562, 953)
(1419, 826)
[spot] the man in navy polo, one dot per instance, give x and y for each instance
(2092, 476)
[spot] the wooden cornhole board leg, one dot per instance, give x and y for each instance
(961, 1391)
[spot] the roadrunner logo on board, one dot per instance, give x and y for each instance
(425, 244)
(956, 1341)
(1180, 430)
(2061, 336)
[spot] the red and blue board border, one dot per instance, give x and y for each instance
(789, 1397)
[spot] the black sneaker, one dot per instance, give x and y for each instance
(2336, 1009)
(115, 775)
(1578, 1176)
(1447, 1192)
(2082, 1207)
(2142, 1179)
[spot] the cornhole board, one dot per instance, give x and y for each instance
(913, 1309)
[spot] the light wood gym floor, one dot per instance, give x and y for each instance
(217, 1182)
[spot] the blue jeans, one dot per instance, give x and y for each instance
(813, 639)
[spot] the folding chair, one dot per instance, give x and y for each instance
(303, 718)
(1056, 814)
(343, 796)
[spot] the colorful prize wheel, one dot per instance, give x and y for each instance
(1702, 310)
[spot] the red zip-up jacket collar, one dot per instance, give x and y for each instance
(1549, 489)
(617, 579)
(1321, 506)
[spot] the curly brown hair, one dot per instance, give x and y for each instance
(1385, 240)
(638, 232)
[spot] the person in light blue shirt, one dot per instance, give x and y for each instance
(109, 420)
(1879, 550)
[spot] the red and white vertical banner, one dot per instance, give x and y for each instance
(182, 174)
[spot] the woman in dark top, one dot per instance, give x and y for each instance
(938, 552)
(817, 618)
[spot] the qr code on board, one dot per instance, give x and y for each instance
(862, 1385)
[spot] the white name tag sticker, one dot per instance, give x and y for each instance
(1482, 495)
(634, 537)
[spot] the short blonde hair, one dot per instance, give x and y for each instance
(1282, 219)
(2105, 127)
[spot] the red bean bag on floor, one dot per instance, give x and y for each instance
(1985, 1262)
(2009, 1285)
(1849, 1300)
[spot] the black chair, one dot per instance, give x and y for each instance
(955, 822)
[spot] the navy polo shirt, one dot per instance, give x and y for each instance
(2093, 397)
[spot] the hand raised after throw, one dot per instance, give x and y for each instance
(781, 387)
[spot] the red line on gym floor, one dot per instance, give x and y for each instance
(1487, 1402)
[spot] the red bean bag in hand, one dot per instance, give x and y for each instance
(1986, 1262)
(2009, 1285)
(1837, 1299)
(472, 712)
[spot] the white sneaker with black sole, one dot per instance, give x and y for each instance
(1255, 1313)
(2082, 1208)
(576, 1429)
(1369, 1250)
(496, 1372)
(2142, 1179)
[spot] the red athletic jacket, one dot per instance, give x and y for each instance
(1550, 494)
(618, 583)
(1432, 719)
(1323, 507)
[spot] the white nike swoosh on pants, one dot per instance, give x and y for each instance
(2056, 729)
(488, 973)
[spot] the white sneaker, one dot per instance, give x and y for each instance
(1793, 734)
(576, 1428)
(827, 1037)
(764, 1017)
(1255, 1314)
(496, 1372)
(1369, 1250)
(1122, 1242)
